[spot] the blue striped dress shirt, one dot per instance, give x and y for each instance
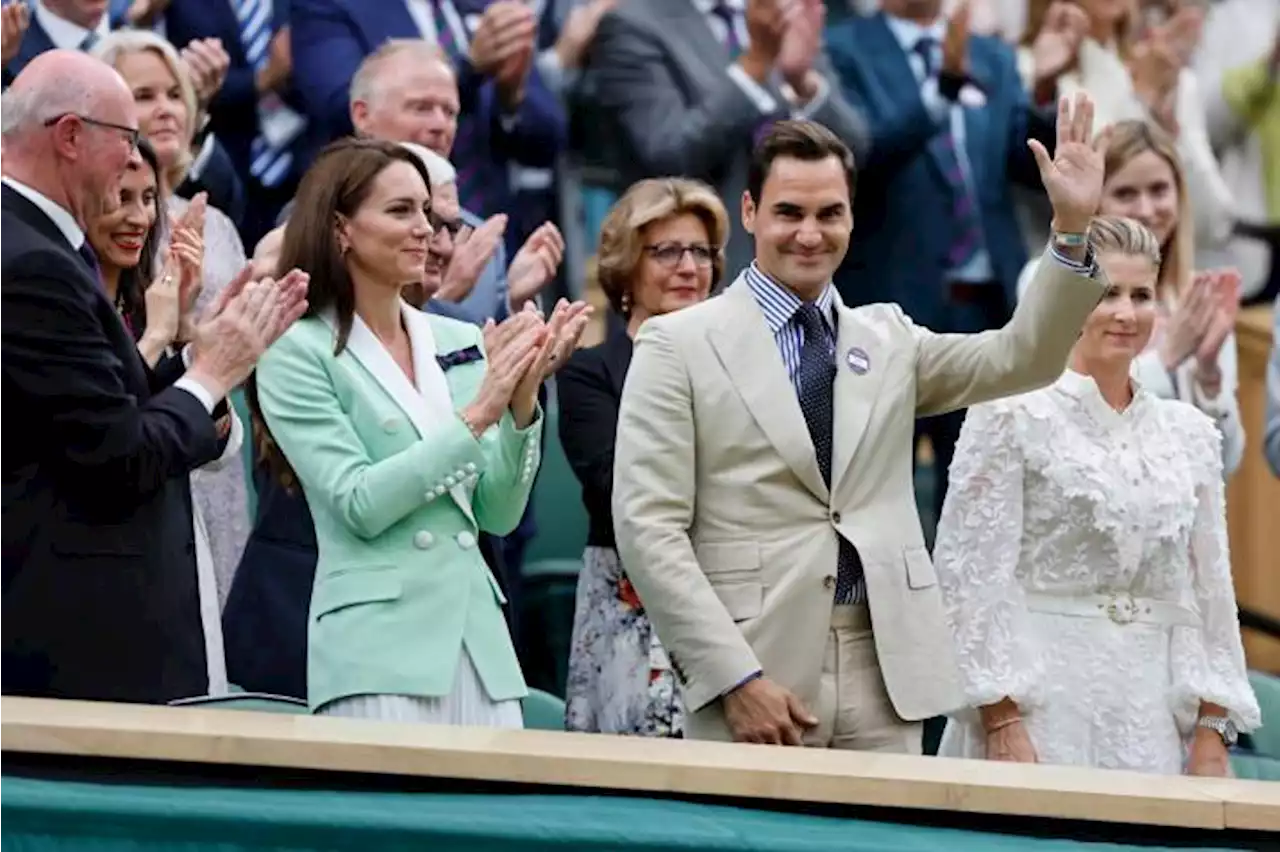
(779, 306)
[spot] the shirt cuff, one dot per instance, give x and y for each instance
(746, 680)
(755, 93)
(198, 391)
(937, 107)
(1088, 266)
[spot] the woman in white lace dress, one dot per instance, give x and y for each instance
(1082, 555)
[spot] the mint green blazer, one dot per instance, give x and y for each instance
(399, 490)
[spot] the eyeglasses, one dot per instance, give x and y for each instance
(670, 254)
(131, 133)
(439, 223)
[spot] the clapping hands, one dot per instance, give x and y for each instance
(1201, 323)
(521, 353)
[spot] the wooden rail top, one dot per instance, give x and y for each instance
(632, 764)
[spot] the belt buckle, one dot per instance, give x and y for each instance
(1122, 608)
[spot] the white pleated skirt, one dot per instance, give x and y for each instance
(466, 704)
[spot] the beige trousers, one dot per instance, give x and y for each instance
(853, 708)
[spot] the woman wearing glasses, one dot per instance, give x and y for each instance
(661, 249)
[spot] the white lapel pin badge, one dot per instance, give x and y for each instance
(858, 360)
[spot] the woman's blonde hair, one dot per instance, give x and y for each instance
(121, 43)
(1121, 235)
(1130, 139)
(646, 202)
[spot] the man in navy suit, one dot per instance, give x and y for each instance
(949, 121)
(505, 108)
(249, 113)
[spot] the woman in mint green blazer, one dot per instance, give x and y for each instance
(409, 434)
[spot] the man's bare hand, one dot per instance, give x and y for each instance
(534, 265)
(473, 249)
(14, 20)
(761, 711)
(207, 61)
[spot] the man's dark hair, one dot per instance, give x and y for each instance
(800, 140)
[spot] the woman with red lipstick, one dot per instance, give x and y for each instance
(661, 249)
(156, 311)
(1082, 556)
(168, 116)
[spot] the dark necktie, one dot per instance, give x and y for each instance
(86, 251)
(817, 376)
(87, 43)
(464, 157)
(966, 224)
(731, 41)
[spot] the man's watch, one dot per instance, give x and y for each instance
(1224, 727)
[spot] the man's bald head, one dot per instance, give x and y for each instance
(69, 127)
(64, 82)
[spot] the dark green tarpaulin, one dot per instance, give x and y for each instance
(40, 815)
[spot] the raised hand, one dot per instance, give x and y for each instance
(14, 20)
(518, 340)
(246, 319)
(472, 251)
(562, 333)
(1057, 44)
(1224, 305)
(1073, 176)
(579, 30)
(1189, 322)
(535, 264)
(804, 21)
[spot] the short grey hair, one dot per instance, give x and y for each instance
(27, 107)
(365, 82)
(440, 170)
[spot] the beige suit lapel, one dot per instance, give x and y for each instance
(750, 357)
(861, 352)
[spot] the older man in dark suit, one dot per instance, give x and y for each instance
(100, 595)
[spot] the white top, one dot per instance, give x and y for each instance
(1149, 371)
(1054, 493)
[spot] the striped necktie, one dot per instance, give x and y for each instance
(465, 157)
(966, 223)
(268, 163)
(731, 42)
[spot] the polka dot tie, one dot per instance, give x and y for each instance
(817, 375)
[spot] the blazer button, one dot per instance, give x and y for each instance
(391, 425)
(471, 467)
(466, 540)
(449, 481)
(835, 517)
(829, 582)
(423, 540)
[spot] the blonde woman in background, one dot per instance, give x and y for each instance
(661, 249)
(168, 115)
(1192, 351)
(1082, 557)
(1134, 61)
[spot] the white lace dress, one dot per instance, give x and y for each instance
(1082, 556)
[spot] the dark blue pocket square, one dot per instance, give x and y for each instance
(449, 360)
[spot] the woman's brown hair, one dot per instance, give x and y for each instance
(335, 187)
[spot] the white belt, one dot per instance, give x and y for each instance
(1120, 607)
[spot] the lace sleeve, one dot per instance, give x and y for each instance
(979, 539)
(1208, 662)
(223, 255)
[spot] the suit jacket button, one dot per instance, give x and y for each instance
(835, 517)
(450, 481)
(829, 582)
(466, 540)
(391, 425)
(423, 539)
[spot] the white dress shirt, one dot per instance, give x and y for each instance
(65, 34)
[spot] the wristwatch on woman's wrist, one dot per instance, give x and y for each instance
(1224, 727)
